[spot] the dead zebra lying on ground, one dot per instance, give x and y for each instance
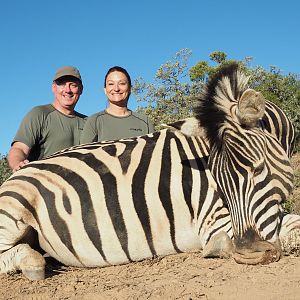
(201, 184)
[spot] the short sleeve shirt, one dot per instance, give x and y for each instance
(104, 126)
(46, 130)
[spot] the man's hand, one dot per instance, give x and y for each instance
(20, 165)
(17, 156)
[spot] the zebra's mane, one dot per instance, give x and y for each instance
(213, 104)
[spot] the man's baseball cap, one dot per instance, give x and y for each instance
(67, 71)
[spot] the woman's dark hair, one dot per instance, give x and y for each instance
(118, 69)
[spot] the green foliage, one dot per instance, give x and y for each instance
(169, 98)
(5, 171)
(218, 57)
(199, 71)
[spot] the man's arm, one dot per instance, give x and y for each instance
(89, 133)
(17, 156)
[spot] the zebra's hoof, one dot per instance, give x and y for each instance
(34, 274)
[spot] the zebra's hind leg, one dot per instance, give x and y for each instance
(220, 245)
(23, 257)
(15, 253)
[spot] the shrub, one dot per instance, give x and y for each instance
(5, 171)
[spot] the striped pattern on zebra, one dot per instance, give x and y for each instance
(276, 122)
(121, 201)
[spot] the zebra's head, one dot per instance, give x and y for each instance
(248, 162)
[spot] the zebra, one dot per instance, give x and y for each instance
(116, 202)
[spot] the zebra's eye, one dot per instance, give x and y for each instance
(258, 169)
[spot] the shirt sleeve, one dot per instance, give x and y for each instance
(89, 133)
(29, 131)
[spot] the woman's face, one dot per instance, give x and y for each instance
(117, 88)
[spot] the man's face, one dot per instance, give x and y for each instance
(67, 91)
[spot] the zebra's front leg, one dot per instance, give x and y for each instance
(216, 235)
(220, 245)
(23, 257)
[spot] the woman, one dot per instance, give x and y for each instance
(117, 121)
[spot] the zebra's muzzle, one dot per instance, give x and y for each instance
(260, 252)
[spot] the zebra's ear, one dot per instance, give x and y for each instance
(251, 108)
(188, 127)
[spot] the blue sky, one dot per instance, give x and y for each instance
(37, 37)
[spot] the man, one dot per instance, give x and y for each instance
(53, 127)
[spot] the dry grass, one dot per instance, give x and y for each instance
(293, 204)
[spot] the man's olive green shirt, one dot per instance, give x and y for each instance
(46, 130)
(103, 126)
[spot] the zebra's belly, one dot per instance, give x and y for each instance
(104, 253)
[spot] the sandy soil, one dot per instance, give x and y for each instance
(182, 276)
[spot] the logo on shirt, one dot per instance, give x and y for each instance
(136, 129)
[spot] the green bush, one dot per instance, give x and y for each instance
(5, 171)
